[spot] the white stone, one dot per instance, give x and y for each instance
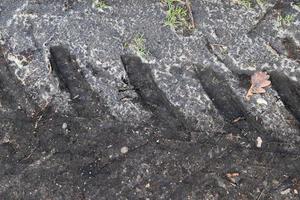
(65, 125)
(295, 191)
(124, 150)
(261, 101)
(285, 191)
(258, 142)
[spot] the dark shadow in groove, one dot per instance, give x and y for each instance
(85, 101)
(289, 92)
(293, 51)
(225, 100)
(165, 115)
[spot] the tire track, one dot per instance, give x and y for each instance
(165, 115)
(289, 92)
(85, 101)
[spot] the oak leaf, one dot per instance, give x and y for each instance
(259, 80)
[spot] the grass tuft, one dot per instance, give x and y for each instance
(245, 3)
(100, 4)
(261, 2)
(176, 15)
(179, 15)
(138, 45)
(285, 20)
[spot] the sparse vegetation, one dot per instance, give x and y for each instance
(176, 15)
(138, 45)
(100, 4)
(245, 3)
(250, 3)
(285, 20)
(179, 14)
(261, 2)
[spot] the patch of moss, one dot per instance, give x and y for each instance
(285, 20)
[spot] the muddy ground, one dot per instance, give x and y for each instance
(82, 116)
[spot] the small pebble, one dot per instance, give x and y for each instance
(295, 191)
(124, 150)
(258, 142)
(261, 101)
(285, 191)
(64, 126)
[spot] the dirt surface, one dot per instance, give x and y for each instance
(83, 117)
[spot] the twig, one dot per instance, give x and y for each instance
(188, 5)
(50, 68)
(219, 45)
(272, 49)
(249, 93)
(38, 116)
(259, 196)
(25, 158)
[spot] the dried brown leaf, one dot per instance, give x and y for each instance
(258, 90)
(232, 177)
(259, 80)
